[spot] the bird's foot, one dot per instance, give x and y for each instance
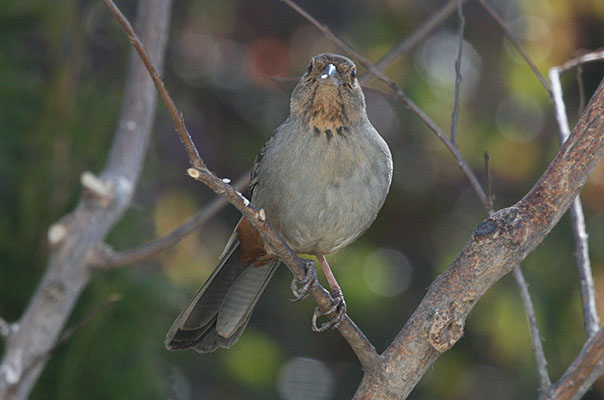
(338, 308)
(301, 287)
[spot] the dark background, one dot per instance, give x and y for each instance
(62, 70)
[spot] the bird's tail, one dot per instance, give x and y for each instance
(220, 311)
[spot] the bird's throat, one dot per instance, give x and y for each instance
(327, 109)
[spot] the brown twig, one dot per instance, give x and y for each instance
(357, 340)
(584, 59)
(110, 260)
(413, 39)
(588, 296)
(581, 91)
(544, 381)
(581, 374)
(455, 113)
(508, 33)
(489, 182)
(401, 97)
(181, 129)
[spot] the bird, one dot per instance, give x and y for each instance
(321, 179)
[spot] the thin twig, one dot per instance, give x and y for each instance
(414, 38)
(181, 129)
(455, 114)
(349, 331)
(581, 374)
(581, 91)
(401, 97)
(489, 182)
(147, 250)
(517, 45)
(544, 380)
(584, 59)
(588, 296)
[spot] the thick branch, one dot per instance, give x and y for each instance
(497, 245)
(102, 204)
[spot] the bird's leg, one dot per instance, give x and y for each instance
(339, 305)
(301, 288)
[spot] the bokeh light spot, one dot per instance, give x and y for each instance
(387, 272)
(303, 378)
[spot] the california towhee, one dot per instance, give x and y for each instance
(321, 179)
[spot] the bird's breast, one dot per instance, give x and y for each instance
(321, 190)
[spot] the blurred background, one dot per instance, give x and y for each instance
(62, 71)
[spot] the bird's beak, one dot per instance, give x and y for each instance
(330, 75)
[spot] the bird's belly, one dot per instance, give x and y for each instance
(322, 218)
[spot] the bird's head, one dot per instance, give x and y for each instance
(329, 94)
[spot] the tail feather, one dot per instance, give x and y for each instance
(218, 314)
(240, 300)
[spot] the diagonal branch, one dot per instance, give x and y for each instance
(508, 33)
(108, 259)
(101, 205)
(497, 245)
(351, 333)
(401, 97)
(69, 332)
(455, 114)
(582, 373)
(544, 381)
(413, 39)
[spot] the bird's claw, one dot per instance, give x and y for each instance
(301, 287)
(338, 308)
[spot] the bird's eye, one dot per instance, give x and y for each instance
(353, 73)
(309, 68)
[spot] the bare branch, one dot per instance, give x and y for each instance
(110, 260)
(455, 114)
(584, 59)
(588, 295)
(413, 39)
(489, 182)
(114, 298)
(450, 144)
(104, 199)
(497, 245)
(351, 333)
(183, 133)
(581, 91)
(517, 45)
(544, 380)
(401, 97)
(582, 373)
